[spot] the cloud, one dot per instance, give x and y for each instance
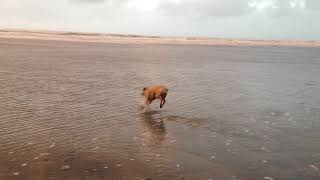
(98, 1)
(232, 8)
(313, 4)
(210, 8)
(87, 1)
(271, 19)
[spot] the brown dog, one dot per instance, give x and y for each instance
(155, 92)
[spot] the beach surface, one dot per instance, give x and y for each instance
(72, 110)
(140, 39)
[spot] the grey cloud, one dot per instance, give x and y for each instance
(232, 8)
(98, 1)
(313, 4)
(87, 1)
(214, 18)
(211, 8)
(284, 9)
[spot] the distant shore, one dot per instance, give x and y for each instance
(139, 39)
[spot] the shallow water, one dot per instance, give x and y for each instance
(71, 110)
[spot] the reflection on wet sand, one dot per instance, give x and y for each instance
(155, 130)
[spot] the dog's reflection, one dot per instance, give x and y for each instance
(155, 130)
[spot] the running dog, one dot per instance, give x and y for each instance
(154, 92)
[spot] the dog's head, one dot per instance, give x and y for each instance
(164, 93)
(143, 90)
(163, 96)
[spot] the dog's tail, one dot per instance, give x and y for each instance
(143, 91)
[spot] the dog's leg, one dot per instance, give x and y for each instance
(146, 104)
(146, 107)
(161, 104)
(163, 101)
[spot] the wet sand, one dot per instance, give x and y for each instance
(72, 110)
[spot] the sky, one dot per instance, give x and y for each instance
(244, 19)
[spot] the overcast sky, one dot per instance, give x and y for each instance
(255, 19)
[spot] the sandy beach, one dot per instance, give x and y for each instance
(71, 109)
(139, 39)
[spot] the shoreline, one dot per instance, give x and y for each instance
(139, 39)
